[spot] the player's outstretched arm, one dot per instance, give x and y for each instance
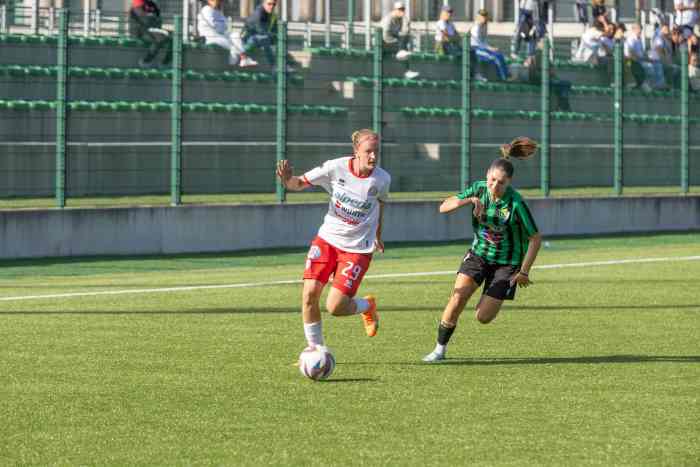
(452, 203)
(284, 172)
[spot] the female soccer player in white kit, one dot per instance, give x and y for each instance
(350, 233)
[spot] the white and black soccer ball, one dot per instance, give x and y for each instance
(316, 362)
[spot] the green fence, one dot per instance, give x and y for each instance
(80, 119)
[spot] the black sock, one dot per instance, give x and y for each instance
(444, 333)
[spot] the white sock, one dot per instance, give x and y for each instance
(362, 304)
(439, 348)
(313, 333)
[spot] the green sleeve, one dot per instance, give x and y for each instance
(469, 191)
(525, 218)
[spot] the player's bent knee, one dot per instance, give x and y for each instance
(483, 318)
(336, 307)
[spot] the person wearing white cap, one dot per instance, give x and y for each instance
(447, 39)
(397, 35)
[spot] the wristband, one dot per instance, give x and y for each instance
(524, 273)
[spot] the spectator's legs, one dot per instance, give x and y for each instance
(263, 41)
(524, 23)
(654, 73)
(225, 42)
(489, 56)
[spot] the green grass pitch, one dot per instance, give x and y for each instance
(595, 365)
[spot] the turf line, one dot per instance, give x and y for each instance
(298, 281)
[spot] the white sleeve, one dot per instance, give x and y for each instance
(320, 176)
(439, 29)
(205, 22)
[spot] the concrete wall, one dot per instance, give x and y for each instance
(166, 230)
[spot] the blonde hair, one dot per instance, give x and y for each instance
(359, 135)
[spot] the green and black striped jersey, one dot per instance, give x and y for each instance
(501, 234)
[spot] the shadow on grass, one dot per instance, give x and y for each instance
(349, 380)
(602, 359)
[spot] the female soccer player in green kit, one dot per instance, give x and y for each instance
(506, 242)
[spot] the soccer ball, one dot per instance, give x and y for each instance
(316, 362)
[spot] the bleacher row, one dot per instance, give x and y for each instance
(32, 58)
(116, 108)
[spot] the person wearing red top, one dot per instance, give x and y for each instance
(350, 233)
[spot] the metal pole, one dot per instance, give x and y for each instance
(52, 20)
(544, 151)
(285, 10)
(684, 121)
(550, 28)
(86, 18)
(35, 17)
(351, 21)
(327, 13)
(368, 24)
(617, 120)
(465, 146)
(516, 15)
(426, 35)
(176, 116)
(281, 105)
(3, 19)
(185, 20)
(377, 89)
(61, 84)
(307, 35)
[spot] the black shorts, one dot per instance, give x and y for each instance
(497, 276)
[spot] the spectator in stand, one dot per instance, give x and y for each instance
(260, 31)
(146, 24)
(214, 27)
(525, 30)
(397, 36)
(607, 44)
(483, 51)
(661, 52)
(647, 74)
(694, 74)
(599, 12)
(686, 16)
(590, 45)
(447, 39)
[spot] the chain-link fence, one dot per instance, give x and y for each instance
(81, 117)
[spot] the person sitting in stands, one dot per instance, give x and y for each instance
(260, 31)
(214, 27)
(652, 75)
(447, 39)
(483, 51)
(694, 74)
(599, 12)
(661, 53)
(590, 44)
(146, 24)
(396, 30)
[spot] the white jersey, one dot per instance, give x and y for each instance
(353, 211)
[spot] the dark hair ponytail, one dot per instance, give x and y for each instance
(520, 148)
